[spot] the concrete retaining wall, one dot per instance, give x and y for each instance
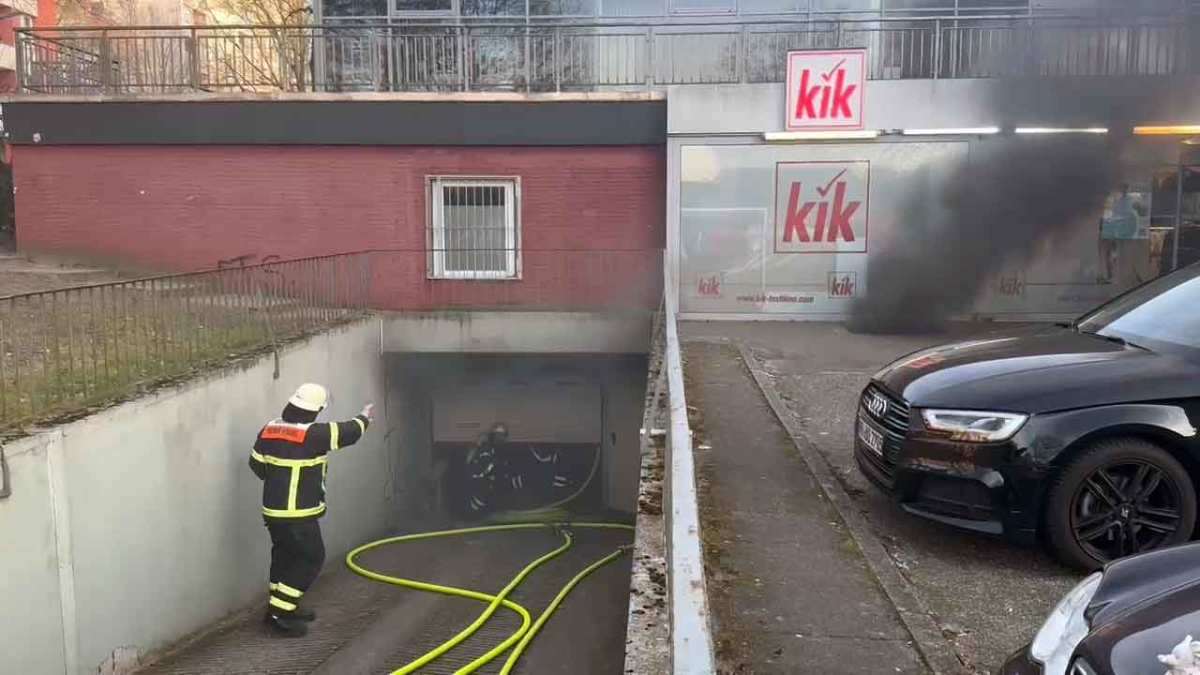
(136, 526)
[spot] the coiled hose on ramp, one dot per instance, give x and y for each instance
(518, 641)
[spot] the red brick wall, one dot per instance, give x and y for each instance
(188, 207)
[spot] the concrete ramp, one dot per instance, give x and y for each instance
(368, 627)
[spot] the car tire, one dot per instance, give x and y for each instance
(1067, 483)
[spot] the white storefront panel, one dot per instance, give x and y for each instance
(788, 229)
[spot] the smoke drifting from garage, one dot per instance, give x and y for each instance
(1016, 193)
(992, 215)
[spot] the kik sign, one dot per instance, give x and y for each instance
(843, 285)
(825, 89)
(822, 207)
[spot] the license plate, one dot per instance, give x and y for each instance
(869, 435)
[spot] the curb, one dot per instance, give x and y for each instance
(933, 647)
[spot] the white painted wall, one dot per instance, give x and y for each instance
(140, 524)
(31, 639)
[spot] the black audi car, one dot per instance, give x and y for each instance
(1120, 621)
(1082, 436)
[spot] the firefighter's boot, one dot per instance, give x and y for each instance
(286, 625)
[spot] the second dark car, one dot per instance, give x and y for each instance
(1123, 621)
(1082, 436)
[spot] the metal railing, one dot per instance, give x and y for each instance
(63, 352)
(66, 351)
(567, 56)
(691, 630)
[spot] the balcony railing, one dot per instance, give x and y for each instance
(562, 56)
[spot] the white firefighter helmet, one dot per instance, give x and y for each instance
(310, 397)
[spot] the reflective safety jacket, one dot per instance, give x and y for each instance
(291, 461)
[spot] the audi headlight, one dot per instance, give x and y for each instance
(973, 426)
(1064, 628)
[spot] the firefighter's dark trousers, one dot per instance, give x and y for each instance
(297, 553)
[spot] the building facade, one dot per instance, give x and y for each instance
(562, 210)
(820, 159)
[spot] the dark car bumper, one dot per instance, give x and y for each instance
(980, 487)
(1020, 664)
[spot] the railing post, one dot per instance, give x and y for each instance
(106, 64)
(376, 61)
(557, 59)
(743, 55)
(393, 82)
(194, 57)
(937, 49)
(22, 83)
(528, 60)
(650, 65)
(464, 61)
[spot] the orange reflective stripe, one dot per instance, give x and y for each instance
(284, 432)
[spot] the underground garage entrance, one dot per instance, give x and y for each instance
(577, 415)
(560, 435)
(506, 442)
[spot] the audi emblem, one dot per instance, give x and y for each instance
(877, 404)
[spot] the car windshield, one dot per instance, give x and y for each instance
(1160, 314)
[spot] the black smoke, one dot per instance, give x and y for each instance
(1016, 193)
(951, 240)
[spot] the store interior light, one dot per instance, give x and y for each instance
(1061, 130)
(1168, 130)
(953, 131)
(794, 136)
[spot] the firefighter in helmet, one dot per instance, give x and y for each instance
(482, 469)
(290, 456)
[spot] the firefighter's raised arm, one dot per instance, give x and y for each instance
(345, 434)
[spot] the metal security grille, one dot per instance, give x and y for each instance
(473, 228)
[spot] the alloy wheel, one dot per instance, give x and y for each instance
(1125, 507)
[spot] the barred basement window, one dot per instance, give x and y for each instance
(473, 228)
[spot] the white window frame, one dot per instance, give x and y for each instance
(435, 198)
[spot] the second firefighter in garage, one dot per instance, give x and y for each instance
(502, 475)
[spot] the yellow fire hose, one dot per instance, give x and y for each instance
(529, 627)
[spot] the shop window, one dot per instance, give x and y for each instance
(474, 228)
(333, 9)
(703, 6)
(771, 6)
(563, 7)
(918, 5)
(432, 6)
(995, 5)
(493, 7)
(631, 7)
(844, 5)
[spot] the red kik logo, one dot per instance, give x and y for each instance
(832, 218)
(834, 97)
(841, 285)
(710, 286)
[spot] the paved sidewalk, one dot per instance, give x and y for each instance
(984, 596)
(790, 590)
